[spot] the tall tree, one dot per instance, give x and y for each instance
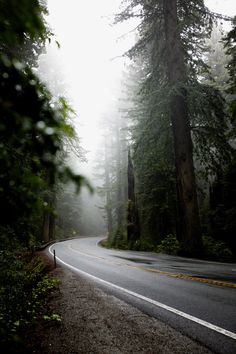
(171, 42)
(107, 186)
(133, 227)
(186, 185)
(113, 167)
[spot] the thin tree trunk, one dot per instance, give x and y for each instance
(133, 227)
(48, 228)
(119, 200)
(46, 223)
(189, 234)
(108, 195)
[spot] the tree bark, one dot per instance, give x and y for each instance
(48, 229)
(119, 194)
(48, 222)
(133, 227)
(108, 195)
(189, 233)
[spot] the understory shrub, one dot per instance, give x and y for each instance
(143, 245)
(117, 240)
(169, 245)
(24, 287)
(216, 249)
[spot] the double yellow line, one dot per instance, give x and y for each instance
(189, 277)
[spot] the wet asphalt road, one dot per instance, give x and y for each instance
(152, 281)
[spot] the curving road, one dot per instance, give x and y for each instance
(195, 297)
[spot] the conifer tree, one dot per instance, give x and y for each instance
(171, 40)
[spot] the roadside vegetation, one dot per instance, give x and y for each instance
(212, 249)
(25, 290)
(34, 129)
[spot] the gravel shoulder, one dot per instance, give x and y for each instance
(97, 323)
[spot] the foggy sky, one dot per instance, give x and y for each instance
(89, 62)
(87, 70)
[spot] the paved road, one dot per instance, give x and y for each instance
(195, 297)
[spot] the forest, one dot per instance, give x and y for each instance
(35, 131)
(169, 158)
(166, 167)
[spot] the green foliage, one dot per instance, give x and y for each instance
(20, 19)
(222, 209)
(54, 317)
(118, 239)
(230, 44)
(149, 110)
(216, 249)
(209, 128)
(169, 245)
(33, 125)
(152, 152)
(24, 290)
(142, 245)
(32, 133)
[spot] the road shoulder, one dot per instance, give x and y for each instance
(94, 322)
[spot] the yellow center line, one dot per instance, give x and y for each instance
(190, 277)
(161, 272)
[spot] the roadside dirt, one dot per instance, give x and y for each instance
(96, 323)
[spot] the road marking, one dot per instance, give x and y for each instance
(155, 270)
(190, 277)
(153, 302)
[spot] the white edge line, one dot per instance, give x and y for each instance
(153, 302)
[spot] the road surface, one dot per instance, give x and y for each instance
(195, 297)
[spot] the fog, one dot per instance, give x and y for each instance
(87, 69)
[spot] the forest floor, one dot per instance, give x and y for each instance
(96, 323)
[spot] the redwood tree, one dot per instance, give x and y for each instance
(170, 43)
(186, 186)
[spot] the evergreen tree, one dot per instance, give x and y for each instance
(170, 47)
(113, 173)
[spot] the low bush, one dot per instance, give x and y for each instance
(117, 240)
(169, 245)
(142, 245)
(216, 249)
(24, 287)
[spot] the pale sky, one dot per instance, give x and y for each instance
(89, 44)
(89, 57)
(226, 7)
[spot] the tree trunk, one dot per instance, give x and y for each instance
(119, 200)
(48, 221)
(48, 216)
(133, 227)
(108, 195)
(46, 226)
(189, 233)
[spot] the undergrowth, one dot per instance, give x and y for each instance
(24, 289)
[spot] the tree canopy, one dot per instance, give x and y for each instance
(32, 126)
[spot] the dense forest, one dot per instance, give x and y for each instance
(169, 160)
(35, 134)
